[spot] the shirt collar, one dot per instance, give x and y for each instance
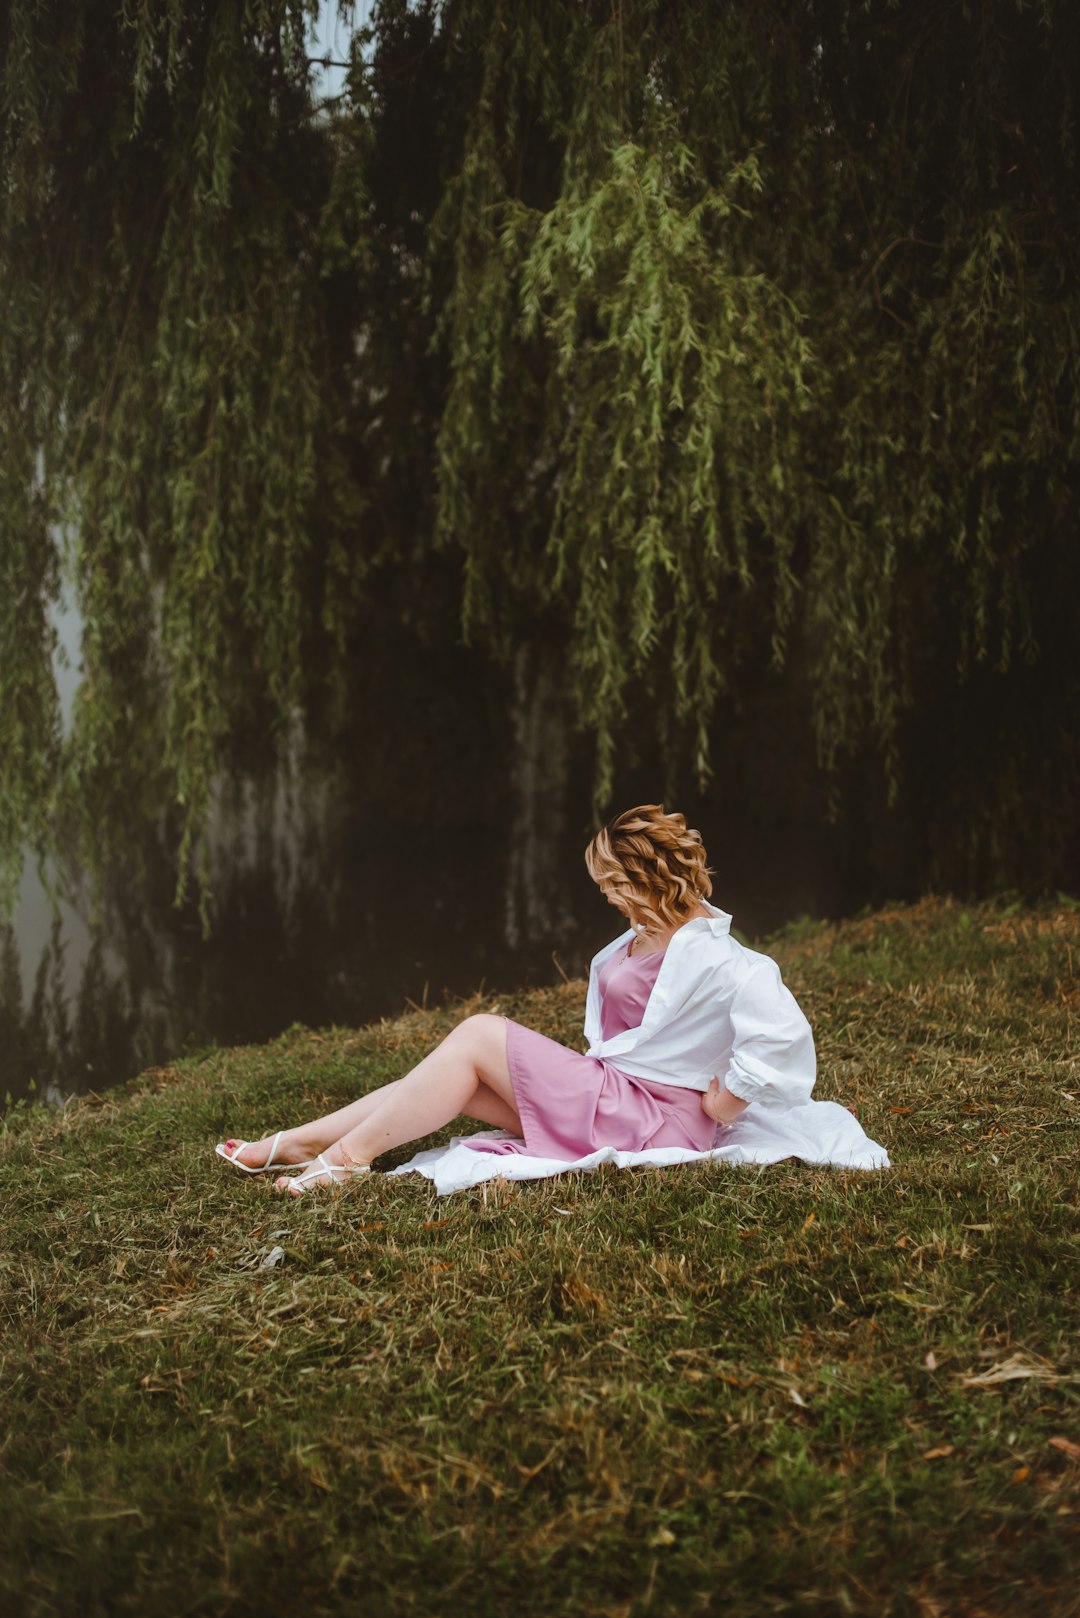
(719, 921)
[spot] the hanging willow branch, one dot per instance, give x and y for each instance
(708, 341)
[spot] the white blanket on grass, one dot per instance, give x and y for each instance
(821, 1132)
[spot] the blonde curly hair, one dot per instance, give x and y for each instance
(653, 864)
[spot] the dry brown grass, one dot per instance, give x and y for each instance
(787, 1390)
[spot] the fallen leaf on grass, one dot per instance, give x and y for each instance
(1014, 1369)
(1067, 1447)
(903, 1111)
(1021, 1474)
(273, 1258)
(936, 1454)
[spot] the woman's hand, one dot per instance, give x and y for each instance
(720, 1104)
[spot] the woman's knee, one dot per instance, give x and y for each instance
(481, 1031)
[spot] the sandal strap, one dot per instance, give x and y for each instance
(269, 1165)
(233, 1157)
(300, 1181)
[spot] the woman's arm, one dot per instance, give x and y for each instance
(721, 1105)
(772, 1053)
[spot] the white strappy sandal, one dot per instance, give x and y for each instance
(222, 1150)
(297, 1186)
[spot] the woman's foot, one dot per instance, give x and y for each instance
(273, 1151)
(326, 1170)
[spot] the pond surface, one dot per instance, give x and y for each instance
(321, 924)
(313, 926)
(439, 854)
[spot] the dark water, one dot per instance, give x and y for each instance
(335, 917)
(305, 928)
(435, 856)
(440, 854)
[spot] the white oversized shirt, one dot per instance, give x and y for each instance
(717, 1009)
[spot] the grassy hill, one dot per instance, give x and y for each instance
(641, 1392)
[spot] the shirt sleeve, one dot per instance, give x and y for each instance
(772, 1057)
(591, 1027)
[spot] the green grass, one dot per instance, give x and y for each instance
(692, 1390)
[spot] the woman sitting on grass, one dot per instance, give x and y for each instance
(686, 1027)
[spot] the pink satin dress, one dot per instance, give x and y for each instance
(570, 1104)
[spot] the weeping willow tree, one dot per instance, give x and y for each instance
(700, 342)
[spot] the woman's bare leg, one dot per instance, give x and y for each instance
(487, 1105)
(467, 1073)
(300, 1144)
